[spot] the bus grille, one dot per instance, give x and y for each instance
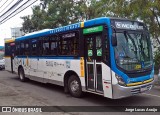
(138, 90)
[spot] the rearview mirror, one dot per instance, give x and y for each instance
(114, 40)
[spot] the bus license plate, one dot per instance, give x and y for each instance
(143, 89)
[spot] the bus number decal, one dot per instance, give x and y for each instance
(82, 66)
(49, 63)
(68, 64)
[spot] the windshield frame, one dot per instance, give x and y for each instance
(145, 34)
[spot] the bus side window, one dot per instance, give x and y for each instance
(69, 44)
(76, 45)
(54, 45)
(45, 45)
(34, 47)
(64, 47)
(73, 46)
(22, 48)
(59, 49)
(40, 46)
(17, 48)
(26, 49)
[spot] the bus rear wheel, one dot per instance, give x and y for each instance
(74, 86)
(21, 75)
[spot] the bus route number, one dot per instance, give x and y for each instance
(138, 67)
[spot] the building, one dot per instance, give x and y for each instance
(16, 32)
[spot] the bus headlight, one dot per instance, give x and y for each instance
(120, 80)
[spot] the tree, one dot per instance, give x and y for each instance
(55, 13)
(147, 11)
(34, 22)
(27, 26)
(157, 61)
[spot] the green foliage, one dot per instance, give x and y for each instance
(27, 24)
(34, 22)
(52, 14)
(157, 61)
(147, 11)
(55, 13)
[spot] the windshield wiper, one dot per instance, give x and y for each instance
(126, 34)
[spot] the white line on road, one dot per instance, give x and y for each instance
(151, 95)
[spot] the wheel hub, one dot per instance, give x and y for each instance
(74, 86)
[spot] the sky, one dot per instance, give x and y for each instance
(5, 28)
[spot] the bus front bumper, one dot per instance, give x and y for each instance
(122, 91)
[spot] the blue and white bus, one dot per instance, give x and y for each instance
(111, 57)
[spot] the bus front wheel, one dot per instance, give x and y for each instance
(74, 86)
(21, 74)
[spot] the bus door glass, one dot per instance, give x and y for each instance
(93, 53)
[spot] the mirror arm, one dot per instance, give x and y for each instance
(114, 38)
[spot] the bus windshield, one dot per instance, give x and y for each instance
(133, 51)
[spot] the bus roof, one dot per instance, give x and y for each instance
(88, 23)
(37, 32)
(96, 21)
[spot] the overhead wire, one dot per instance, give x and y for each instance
(16, 4)
(6, 6)
(3, 4)
(14, 12)
(0, 0)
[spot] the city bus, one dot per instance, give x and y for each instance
(9, 54)
(107, 56)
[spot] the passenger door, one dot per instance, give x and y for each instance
(93, 53)
(97, 60)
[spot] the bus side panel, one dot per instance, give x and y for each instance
(15, 64)
(27, 66)
(8, 63)
(49, 69)
(35, 67)
(107, 81)
(21, 62)
(55, 69)
(18, 62)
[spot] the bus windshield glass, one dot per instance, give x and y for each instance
(133, 51)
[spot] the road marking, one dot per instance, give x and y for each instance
(151, 95)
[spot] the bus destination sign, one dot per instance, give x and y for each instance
(93, 30)
(69, 35)
(129, 25)
(124, 25)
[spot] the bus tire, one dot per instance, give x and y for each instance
(74, 86)
(21, 75)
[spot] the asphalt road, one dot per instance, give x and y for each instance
(13, 92)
